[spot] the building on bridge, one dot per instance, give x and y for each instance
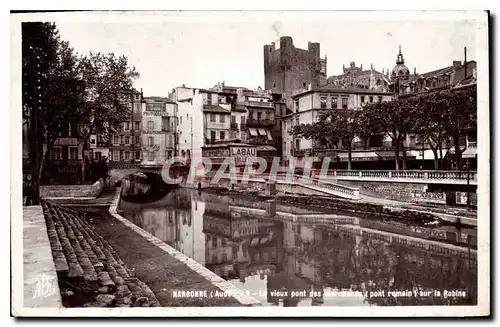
(159, 131)
(221, 115)
(125, 144)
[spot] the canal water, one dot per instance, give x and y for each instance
(290, 256)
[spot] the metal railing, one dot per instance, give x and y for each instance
(269, 105)
(440, 176)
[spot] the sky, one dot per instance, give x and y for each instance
(201, 49)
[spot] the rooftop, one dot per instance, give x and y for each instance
(215, 108)
(331, 88)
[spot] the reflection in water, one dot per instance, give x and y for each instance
(294, 257)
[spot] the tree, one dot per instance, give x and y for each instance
(50, 92)
(394, 118)
(446, 115)
(108, 87)
(460, 115)
(332, 126)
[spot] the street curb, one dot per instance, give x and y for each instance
(238, 294)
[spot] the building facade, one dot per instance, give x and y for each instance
(289, 69)
(309, 105)
(125, 143)
(159, 131)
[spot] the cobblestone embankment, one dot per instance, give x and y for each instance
(90, 272)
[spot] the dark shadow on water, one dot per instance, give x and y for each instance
(145, 188)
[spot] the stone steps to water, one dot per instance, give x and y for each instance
(83, 257)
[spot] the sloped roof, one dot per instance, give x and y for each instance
(215, 108)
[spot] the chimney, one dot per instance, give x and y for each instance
(457, 63)
(465, 62)
(361, 66)
(371, 66)
(415, 71)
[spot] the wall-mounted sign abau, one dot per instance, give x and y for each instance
(241, 154)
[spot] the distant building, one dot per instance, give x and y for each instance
(159, 131)
(289, 69)
(369, 79)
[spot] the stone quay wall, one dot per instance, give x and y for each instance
(74, 191)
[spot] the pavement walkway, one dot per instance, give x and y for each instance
(41, 289)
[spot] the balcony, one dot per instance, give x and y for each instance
(168, 129)
(268, 105)
(472, 144)
(243, 127)
(234, 126)
(260, 123)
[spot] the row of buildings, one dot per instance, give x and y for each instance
(240, 122)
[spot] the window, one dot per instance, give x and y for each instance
(274, 84)
(214, 241)
(222, 119)
(223, 242)
(127, 139)
(137, 155)
(137, 107)
(259, 116)
(224, 257)
(151, 125)
(362, 99)
(304, 84)
(116, 139)
(344, 103)
(380, 99)
(180, 122)
(209, 98)
(151, 156)
(297, 144)
(242, 120)
(168, 154)
(170, 141)
(296, 106)
(212, 118)
(371, 99)
(121, 154)
(127, 155)
(233, 119)
(137, 125)
(150, 141)
(334, 102)
(222, 135)
(115, 155)
(121, 139)
(55, 153)
(164, 123)
(212, 136)
(297, 120)
(323, 102)
(137, 140)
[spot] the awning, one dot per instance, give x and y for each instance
(358, 156)
(262, 132)
(269, 137)
(469, 153)
(266, 148)
(252, 131)
(391, 155)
